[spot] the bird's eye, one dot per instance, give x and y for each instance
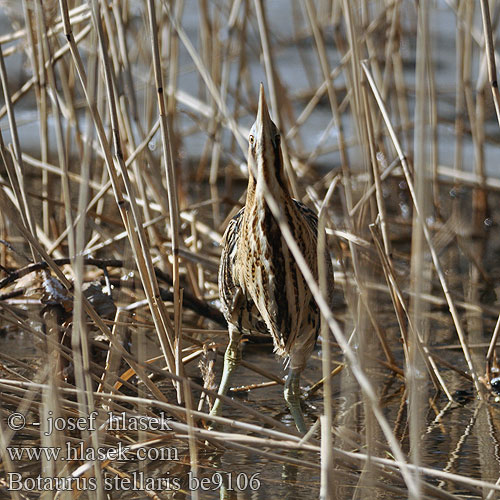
(251, 140)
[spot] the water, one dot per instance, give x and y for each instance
(460, 437)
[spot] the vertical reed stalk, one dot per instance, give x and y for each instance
(490, 55)
(171, 187)
(425, 229)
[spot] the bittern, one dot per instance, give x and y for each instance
(261, 286)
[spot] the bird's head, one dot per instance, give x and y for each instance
(265, 160)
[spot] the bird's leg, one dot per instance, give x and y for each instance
(292, 398)
(232, 359)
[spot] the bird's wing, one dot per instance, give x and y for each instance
(237, 308)
(310, 216)
(312, 220)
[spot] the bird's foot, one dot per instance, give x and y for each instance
(292, 398)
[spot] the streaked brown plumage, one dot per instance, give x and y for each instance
(261, 287)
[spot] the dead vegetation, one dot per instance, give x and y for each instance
(123, 146)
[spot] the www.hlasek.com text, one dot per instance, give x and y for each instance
(80, 452)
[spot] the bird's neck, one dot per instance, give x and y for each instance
(258, 188)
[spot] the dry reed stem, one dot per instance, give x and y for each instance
(400, 307)
(425, 229)
(327, 463)
(277, 105)
(490, 55)
(358, 372)
(84, 301)
(137, 240)
(284, 441)
(492, 346)
(16, 170)
(231, 38)
(211, 87)
(171, 186)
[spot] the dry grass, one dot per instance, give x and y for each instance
(116, 190)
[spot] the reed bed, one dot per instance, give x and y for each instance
(123, 137)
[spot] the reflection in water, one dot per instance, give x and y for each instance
(460, 437)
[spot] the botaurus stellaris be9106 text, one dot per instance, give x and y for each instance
(261, 287)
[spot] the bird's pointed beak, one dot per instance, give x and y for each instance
(264, 153)
(264, 124)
